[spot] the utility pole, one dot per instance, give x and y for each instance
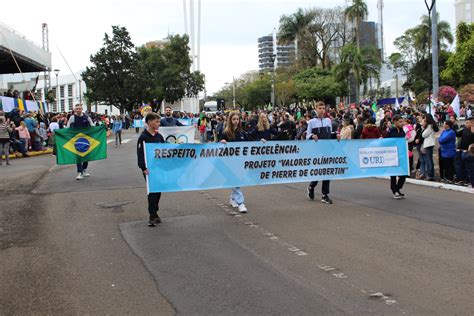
(429, 7)
(434, 45)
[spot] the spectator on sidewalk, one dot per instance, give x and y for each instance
(447, 142)
(4, 138)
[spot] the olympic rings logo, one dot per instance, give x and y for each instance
(173, 139)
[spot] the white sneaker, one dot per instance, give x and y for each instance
(242, 208)
(233, 203)
(79, 176)
(86, 174)
(397, 196)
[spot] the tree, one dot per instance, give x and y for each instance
(295, 27)
(460, 65)
(315, 84)
(467, 93)
(164, 72)
(351, 66)
(111, 79)
(285, 92)
(447, 94)
(356, 13)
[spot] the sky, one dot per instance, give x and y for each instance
(229, 28)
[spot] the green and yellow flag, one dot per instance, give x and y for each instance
(77, 145)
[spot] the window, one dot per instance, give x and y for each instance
(62, 106)
(468, 6)
(61, 92)
(69, 102)
(69, 90)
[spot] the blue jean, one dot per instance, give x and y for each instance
(237, 196)
(427, 164)
(82, 166)
(460, 166)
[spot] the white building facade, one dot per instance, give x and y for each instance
(464, 11)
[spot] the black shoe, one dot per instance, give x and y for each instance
(326, 199)
(152, 220)
(310, 193)
(157, 219)
(401, 194)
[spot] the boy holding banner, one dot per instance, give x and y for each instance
(150, 135)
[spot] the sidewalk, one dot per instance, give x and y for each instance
(32, 153)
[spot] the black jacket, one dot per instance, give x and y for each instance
(467, 138)
(146, 137)
(394, 133)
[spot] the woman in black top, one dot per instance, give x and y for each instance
(233, 132)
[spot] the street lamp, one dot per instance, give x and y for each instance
(80, 93)
(273, 58)
(56, 72)
(430, 7)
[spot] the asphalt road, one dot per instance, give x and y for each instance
(82, 247)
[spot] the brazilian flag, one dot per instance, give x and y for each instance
(77, 145)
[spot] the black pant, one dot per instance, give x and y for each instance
(325, 189)
(448, 167)
(153, 201)
(397, 186)
(82, 166)
(442, 171)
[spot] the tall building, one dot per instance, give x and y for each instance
(370, 36)
(285, 54)
(464, 11)
(265, 53)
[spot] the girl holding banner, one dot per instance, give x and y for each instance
(233, 132)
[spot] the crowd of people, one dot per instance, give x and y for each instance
(428, 135)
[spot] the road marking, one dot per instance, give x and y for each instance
(335, 272)
(109, 141)
(126, 141)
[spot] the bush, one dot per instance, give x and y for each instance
(467, 93)
(446, 94)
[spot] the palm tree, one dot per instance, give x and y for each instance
(444, 33)
(351, 66)
(371, 66)
(356, 13)
(295, 27)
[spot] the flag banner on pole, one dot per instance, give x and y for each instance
(456, 105)
(178, 134)
(77, 145)
(8, 104)
(172, 167)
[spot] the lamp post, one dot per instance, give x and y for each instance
(429, 7)
(273, 58)
(80, 92)
(56, 72)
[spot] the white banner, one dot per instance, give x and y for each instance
(178, 134)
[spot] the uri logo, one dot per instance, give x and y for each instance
(81, 144)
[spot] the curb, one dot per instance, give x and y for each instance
(437, 185)
(32, 154)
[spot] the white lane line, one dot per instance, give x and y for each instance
(126, 141)
(335, 272)
(109, 141)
